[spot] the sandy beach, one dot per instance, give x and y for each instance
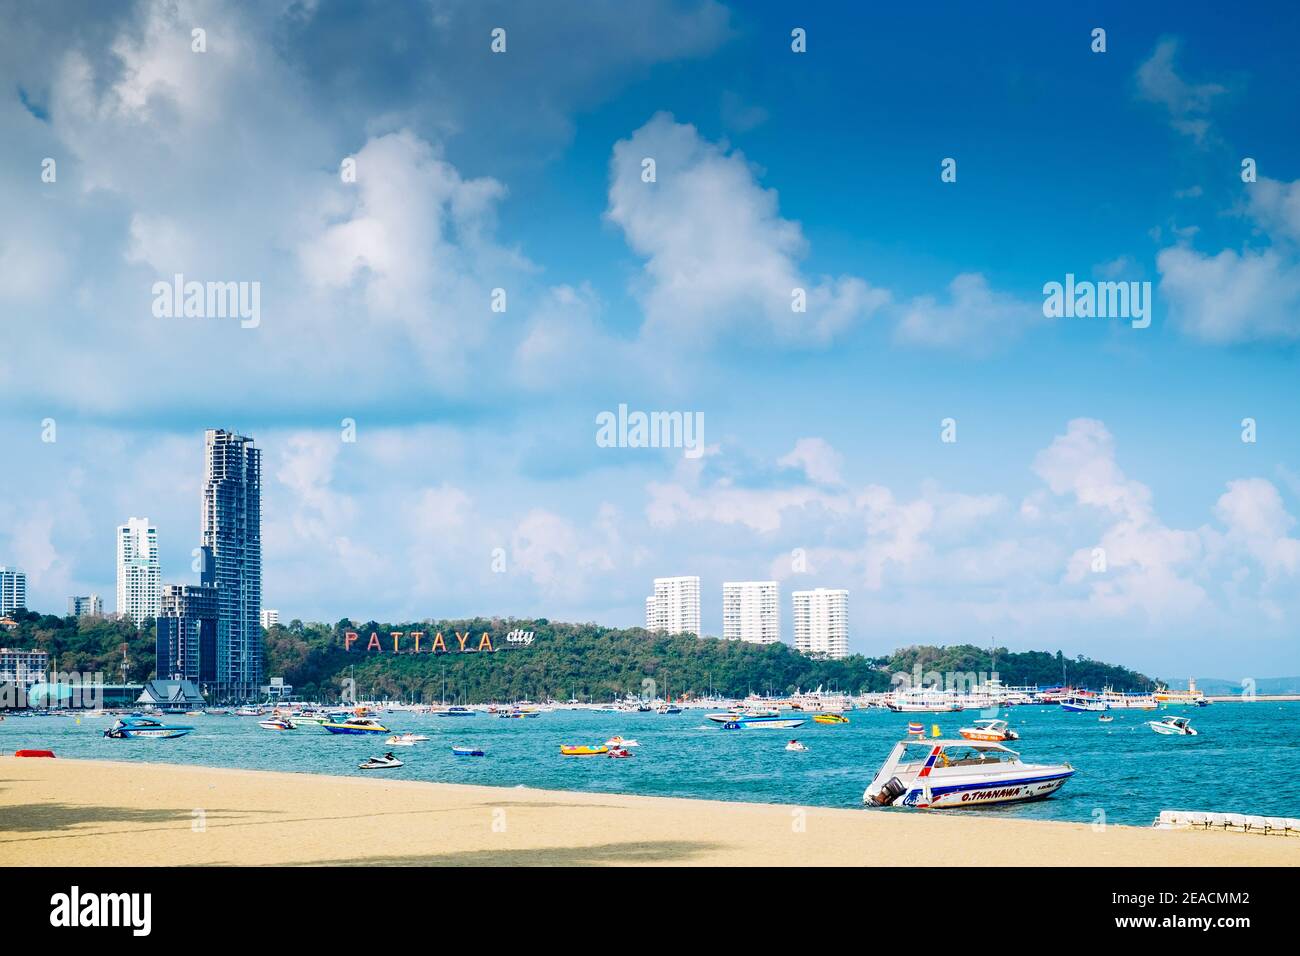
(99, 813)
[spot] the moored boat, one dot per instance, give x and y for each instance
(467, 752)
(582, 750)
(356, 725)
(456, 711)
(405, 740)
(145, 728)
(950, 774)
(386, 762)
(995, 730)
(830, 719)
(1080, 703)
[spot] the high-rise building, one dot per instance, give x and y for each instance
(13, 590)
(232, 557)
(821, 622)
(675, 606)
(23, 667)
(187, 633)
(751, 611)
(138, 576)
(88, 605)
(270, 618)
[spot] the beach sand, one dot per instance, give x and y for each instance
(100, 813)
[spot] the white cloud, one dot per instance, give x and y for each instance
(975, 317)
(1257, 520)
(1231, 297)
(558, 558)
(416, 239)
(817, 459)
(719, 256)
(1275, 206)
(1188, 104)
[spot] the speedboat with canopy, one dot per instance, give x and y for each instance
(947, 774)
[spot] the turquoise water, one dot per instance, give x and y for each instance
(1243, 760)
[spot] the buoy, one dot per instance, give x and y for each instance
(934, 731)
(33, 753)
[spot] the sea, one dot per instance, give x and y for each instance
(1240, 762)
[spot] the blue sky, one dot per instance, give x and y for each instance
(775, 170)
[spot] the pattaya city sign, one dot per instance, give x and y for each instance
(419, 642)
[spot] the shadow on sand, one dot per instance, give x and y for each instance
(606, 854)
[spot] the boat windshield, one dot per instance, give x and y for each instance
(956, 755)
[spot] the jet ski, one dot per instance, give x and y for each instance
(795, 746)
(620, 752)
(386, 762)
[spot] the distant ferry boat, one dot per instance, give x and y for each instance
(1117, 701)
(1190, 697)
(455, 711)
(1083, 703)
(922, 700)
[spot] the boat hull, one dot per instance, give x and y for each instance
(977, 794)
(340, 729)
(153, 733)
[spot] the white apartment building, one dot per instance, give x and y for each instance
(270, 618)
(13, 590)
(821, 622)
(751, 611)
(139, 582)
(85, 605)
(675, 606)
(23, 667)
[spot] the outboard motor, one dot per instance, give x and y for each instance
(889, 792)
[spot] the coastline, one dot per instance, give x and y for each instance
(76, 812)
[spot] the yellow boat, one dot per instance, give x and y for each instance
(582, 751)
(830, 719)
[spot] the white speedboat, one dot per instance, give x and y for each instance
(948, 774)
(1173, 726)
(995, 730)
(405, 740)
(277, 723)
